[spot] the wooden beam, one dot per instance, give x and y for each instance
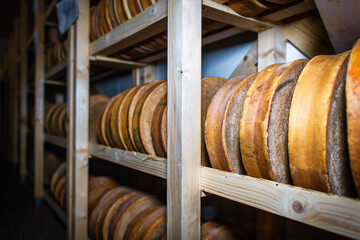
(248, 64)
(23, 87)
(50, 8)
(116, 63)
(55, 140)
(56, 70)
(341, 20)
(184, 93)
(309, 35)
(56, 83)
(78, 160)
(39, 100)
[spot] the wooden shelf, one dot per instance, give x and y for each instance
(56, 70)
(333, 213)
(141, 162)
(58, 141)
(55, 206)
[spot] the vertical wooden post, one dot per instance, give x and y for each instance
(23, 87)
(79, 120)
(39, 99)
(271, 49)
(143, 74)
(184, 90)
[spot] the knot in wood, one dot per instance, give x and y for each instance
(298, 206)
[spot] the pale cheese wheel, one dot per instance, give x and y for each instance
(156, 131)
(96, 104)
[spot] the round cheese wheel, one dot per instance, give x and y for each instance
(164, 130)
(61, 184)
(317, 127)
(353, 113)
(53, 126)
(48, 116)
(249, 8)
(98, 186)
(215, 231)
(59, 172)
(265, 129)
(209, 86)
(223, 123)
(61, 127)
(102, 122)
(96, 104)
(156, 127)
(51, 164)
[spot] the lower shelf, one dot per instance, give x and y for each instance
(55, 206)
(333, 213)
(56, 140)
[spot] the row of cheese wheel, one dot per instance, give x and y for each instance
(291, 123)
(55, 121)
(251, 8)
(56, 54)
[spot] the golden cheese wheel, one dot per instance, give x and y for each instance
(103, 20)
(98, 124)
(48, 115)
(92, 24)
(209, 86)
(98, 214)
(62, 117)
(51, 164)
(164, 129)
(223, 123)
(96, 104)
(215, 231)
(134, 102)
(54, 120)
(353, 113)
(317, 127)
(61, 184)
(148, 224)
(250, 8)
(59, 172)
(98, 186)
(264, 124)
(128, 211)
(156, 127)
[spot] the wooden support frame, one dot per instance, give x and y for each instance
(184, 82)
(23, 87)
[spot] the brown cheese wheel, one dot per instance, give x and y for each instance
(48, 116)
(62, 197)
(249, 8)
(317, 127)
(98, 124)
(215, 231)
(59, 172)
(128, 211)
(62, 117)
(58, 187)
(265, 122)
(98, 186)
(55, 119)
(209, 86)
(149, 224)
(98, 214)
(96, 104)
(164, 130)
(103, 20)
(147, 114)
(156, 127)
(353, 113)
(51, 164)
(134, 102)
(223, 123)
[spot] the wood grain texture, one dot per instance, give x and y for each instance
(317, 127)
(310, 207)
(353, 113)
(248, 64)
(55, 140)
(250, 8)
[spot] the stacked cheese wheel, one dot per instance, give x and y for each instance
(216, 231)
(125, 213)
(251, 8)
(98, 186)
(135, 119)
(56, 53)
(289, 123)
(55, 121)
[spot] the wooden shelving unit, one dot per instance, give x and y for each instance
(55, 207)
(185, 177)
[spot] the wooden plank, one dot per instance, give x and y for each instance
(148, 23)
(223, 13)
(23, 87)
(341, 19)
(145, 163)
(309, 35)
(56, 83)
(271, 46)
(116, 63)
(55, 207)
(333, 213)
(184, 91)
(56, 140)
(296, 9)
(248, 64)
(50, 8)
(56, 70)
(221, 1)
(39, 101)
(79, 125)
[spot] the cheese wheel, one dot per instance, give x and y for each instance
(317, 130)
(138, 121)
(98, 186)
(123, 117)
(148, 224)
(134, 102)
(223, 123)
(98, 214)
(58, 187)
(156, 127)
(215, 231)
(164, 130)
(59, 172)
(353, 113)
(48, 116)
(209, 86)
(51, 164)
(102, 122)
(128, 211)
(53, 125)
(264, 130)
(249, 8)
(61, 128)
(96, 104)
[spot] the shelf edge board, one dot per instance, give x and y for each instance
(56, 140)
(56, 69)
